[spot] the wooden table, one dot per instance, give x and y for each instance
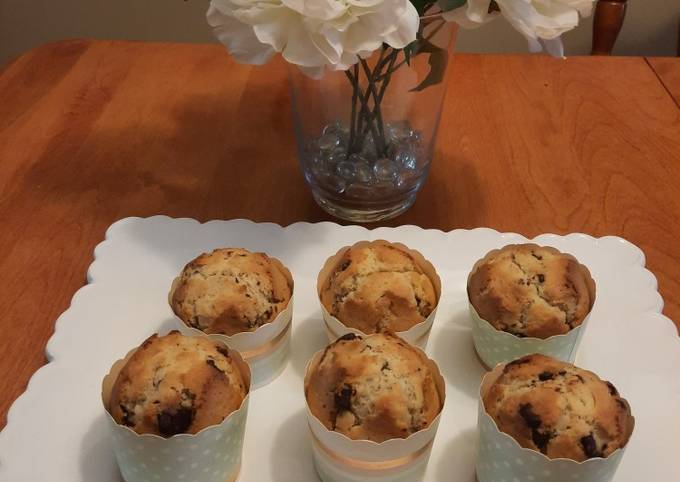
(668, 71)
(91, 132)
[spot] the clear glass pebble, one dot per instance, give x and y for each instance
(368, 150)
(405, 156)
(335, 155)
(328, 142)
(334, 183)
(385, 170)
(364, 173)
(320, 167)
(406, 180)
(338, 130)
(399, 131)
(332, 128)
(346, 170)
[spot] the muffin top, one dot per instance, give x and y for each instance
(559, 409)
(177, 384)
(373, 388)
(531, 291)
(230, 291)
(376, 287)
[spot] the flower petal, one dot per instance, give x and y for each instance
(473, 15)
(239, 38)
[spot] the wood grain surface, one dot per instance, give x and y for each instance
(668, 71)
(91, 132)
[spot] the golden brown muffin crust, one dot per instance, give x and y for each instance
(373, 388)
(176, 384)
(533, 291)
(230, 290)
(558, 409)
(378, 286)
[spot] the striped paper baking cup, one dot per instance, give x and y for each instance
(337, 458)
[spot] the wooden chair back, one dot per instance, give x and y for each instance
(609, 16)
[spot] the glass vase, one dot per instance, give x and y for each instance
(366, 136)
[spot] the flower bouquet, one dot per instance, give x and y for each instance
(368, 80)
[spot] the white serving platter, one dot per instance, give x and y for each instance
(56, 430)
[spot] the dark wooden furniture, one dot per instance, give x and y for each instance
(94, 131)
(609, 16)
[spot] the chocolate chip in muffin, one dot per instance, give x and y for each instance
(590, 446)
(544, 376)
(128, 415)
(172, 422)
(533, 421)
(343, 398)
(541, 440)
(211, 362)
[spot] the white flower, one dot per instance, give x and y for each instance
(542, 22)
(312, 34)
(473, 14)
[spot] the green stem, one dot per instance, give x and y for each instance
(378, 97)
(388, 76)
(379, 130)
(364, 114)
(390, 71)
(353, 120)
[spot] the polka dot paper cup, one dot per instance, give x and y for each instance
(267, 349)
(211, 455)
(495, 346)
(501, 458)
(337, 458)
(417, 335)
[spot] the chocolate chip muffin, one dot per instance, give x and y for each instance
(531, 291)
(373, 388)
(231, 291)
(378, 286)
(176, 384)
(559, 409)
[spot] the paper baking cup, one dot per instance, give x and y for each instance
(267, 349)
(211, 455)
(337, 458)
(496, 346)
(416, 335)
(500, 458)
